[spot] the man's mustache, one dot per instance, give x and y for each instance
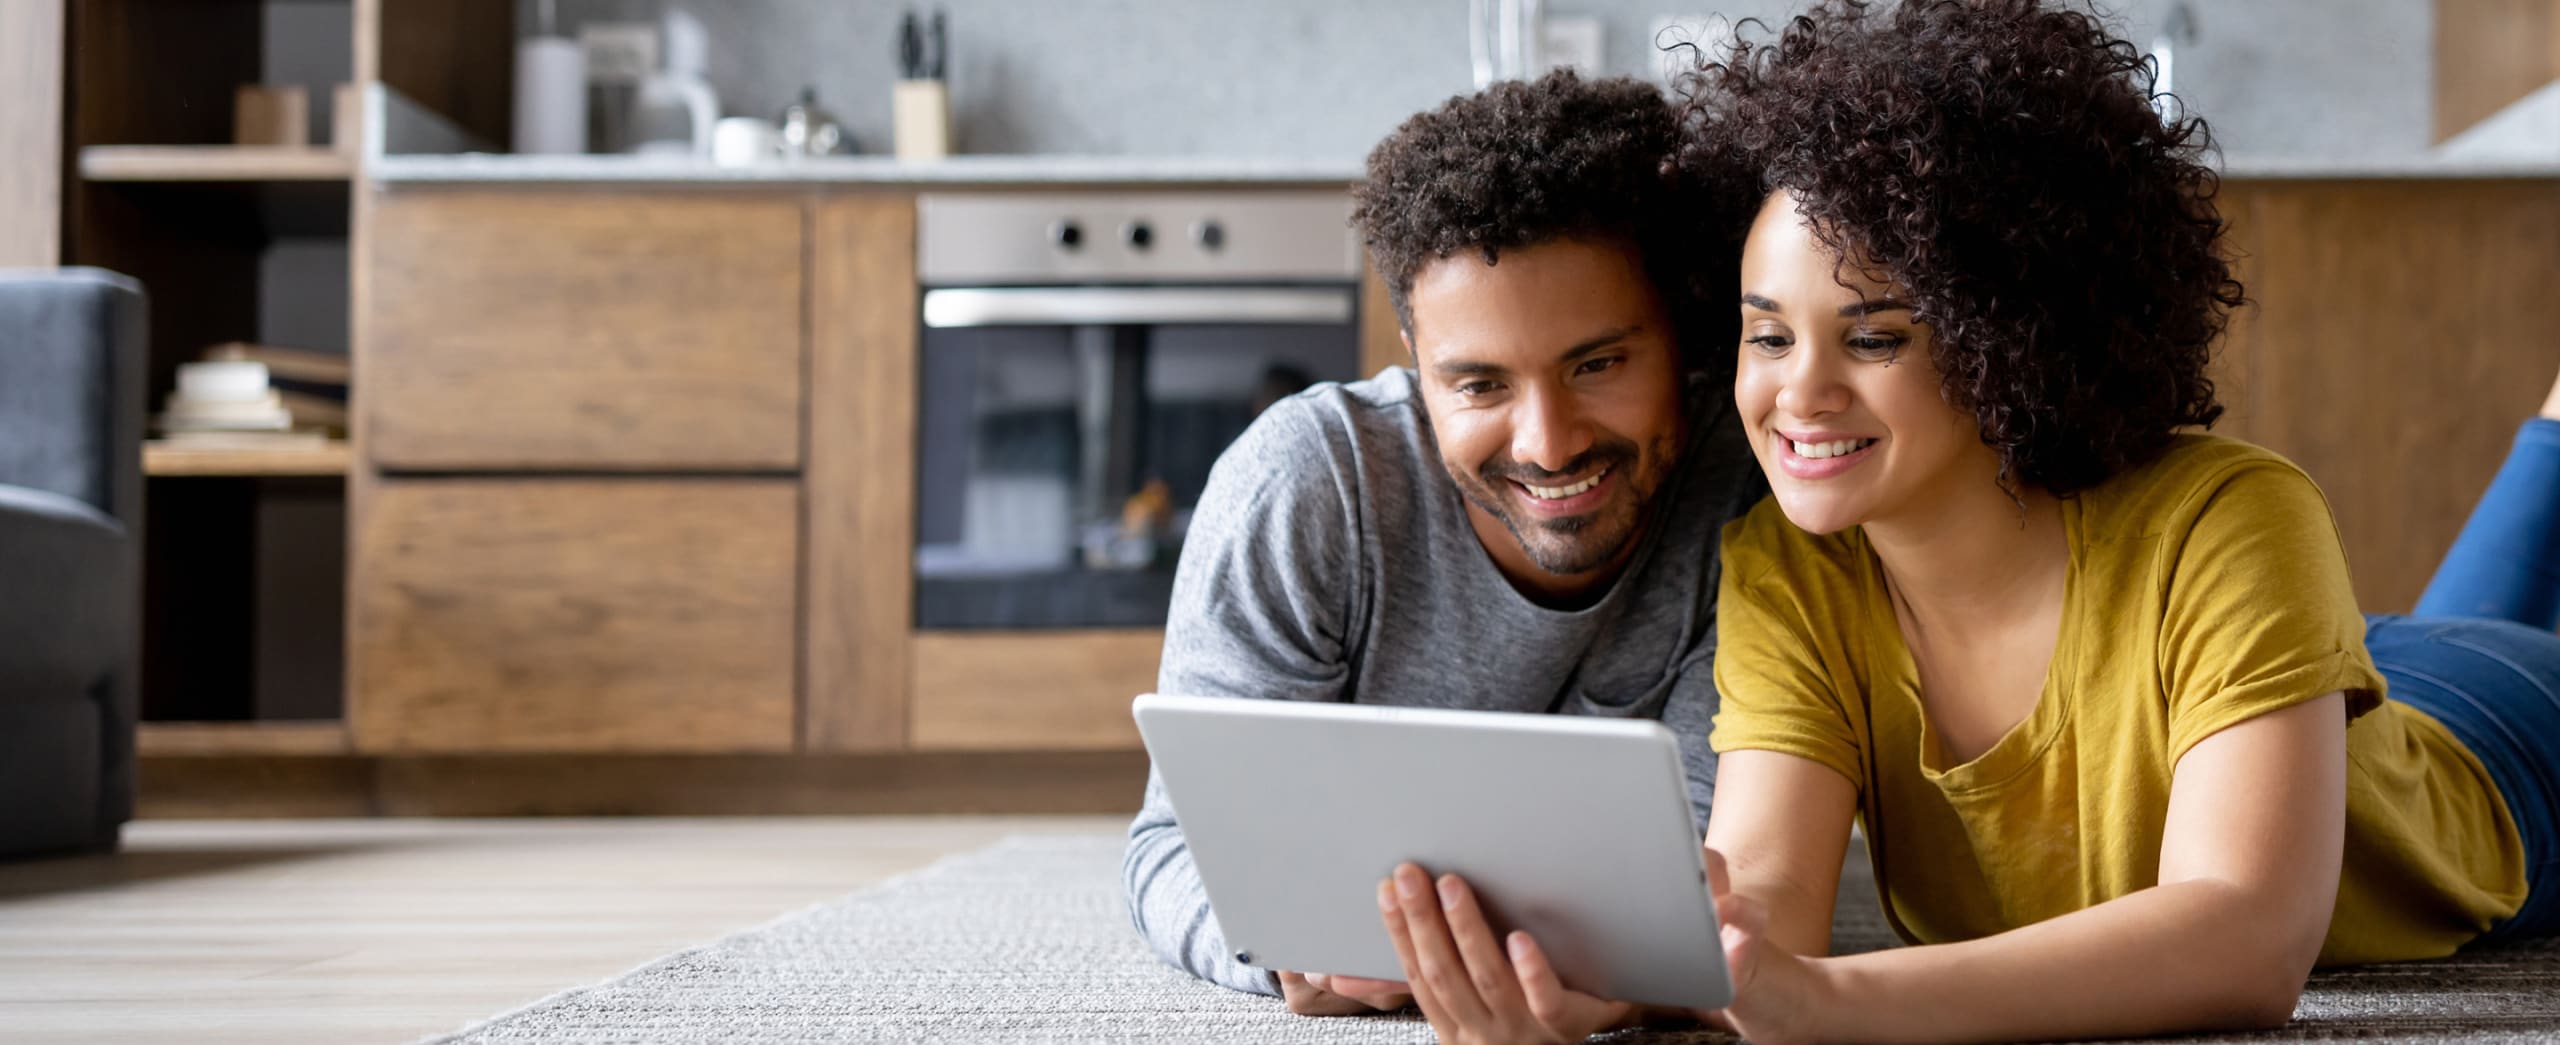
(1608, 455)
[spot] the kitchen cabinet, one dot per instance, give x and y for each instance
(575, 615)
(573, 331)
(861, 472)
(551, 585)
(2399, 333)
(1042, 691)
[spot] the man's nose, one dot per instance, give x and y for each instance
(1550, 432)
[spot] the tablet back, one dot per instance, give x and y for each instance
(1575, 829)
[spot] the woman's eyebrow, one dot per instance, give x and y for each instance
(1853, 310)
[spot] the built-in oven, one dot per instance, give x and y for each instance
(1085, 359)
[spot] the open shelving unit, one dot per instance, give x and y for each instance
(160, 459)
(269, 737)
(218, 163)
(243, 559)
(244, 549)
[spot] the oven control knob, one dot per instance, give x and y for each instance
(1139, 234)
(1066, 234)
(1208, 234)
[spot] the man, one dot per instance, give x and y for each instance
(1527, 519)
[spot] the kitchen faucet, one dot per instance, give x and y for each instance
(2176, 31)
(1502, 39)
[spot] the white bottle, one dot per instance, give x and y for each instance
(551, 91)
(675, 111)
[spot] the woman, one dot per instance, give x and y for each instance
(2128, 759)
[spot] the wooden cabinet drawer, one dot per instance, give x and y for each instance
(548, 330)
(1030, 691)
(590, 615)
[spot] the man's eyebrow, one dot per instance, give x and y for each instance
(1587, 346)
(1468, 368)
(1598, 341)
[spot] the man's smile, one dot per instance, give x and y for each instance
(1566, 499)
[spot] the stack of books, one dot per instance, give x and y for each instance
(249, 396)
(312, 385)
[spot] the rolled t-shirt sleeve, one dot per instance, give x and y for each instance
(1260, 610)
(1775, 692)
(2259, 613)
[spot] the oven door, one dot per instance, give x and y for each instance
(1065, 433)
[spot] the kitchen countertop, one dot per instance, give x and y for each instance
(1033, 170)
(866, 170)
(2416, 167)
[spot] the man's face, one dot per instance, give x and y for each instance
(1552, 381)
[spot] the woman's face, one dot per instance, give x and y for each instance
(1836, 385)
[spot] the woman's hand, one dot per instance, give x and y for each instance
(1473, 988)
(1777, 995)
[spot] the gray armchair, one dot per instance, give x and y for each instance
(71, 385)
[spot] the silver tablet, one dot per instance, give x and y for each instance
(1575, 829)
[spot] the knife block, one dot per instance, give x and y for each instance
(921, 113)
(270, 114)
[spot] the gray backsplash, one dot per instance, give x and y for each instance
(1325, 79)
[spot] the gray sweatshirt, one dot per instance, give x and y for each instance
(1331, 559)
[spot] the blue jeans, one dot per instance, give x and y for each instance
(2480, 656)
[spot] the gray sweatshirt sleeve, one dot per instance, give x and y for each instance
(1261, 604)
(1690, 711)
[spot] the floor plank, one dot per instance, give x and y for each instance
(386, 930)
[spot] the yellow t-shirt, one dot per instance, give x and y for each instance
(2205, 588)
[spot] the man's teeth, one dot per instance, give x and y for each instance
(1834, 448)
(1558, 493)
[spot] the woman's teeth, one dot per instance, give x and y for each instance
(1835, 448)
(1558, 493)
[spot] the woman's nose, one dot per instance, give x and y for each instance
(1810, 385)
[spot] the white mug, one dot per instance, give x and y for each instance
(744, 141)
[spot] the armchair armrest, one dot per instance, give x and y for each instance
(67, 592)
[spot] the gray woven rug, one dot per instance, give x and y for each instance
(1027, 941)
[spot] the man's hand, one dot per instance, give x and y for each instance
(1475, 989)
(1321, 995)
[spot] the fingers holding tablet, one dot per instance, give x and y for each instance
(1472, 984)
(1440, 974)
(1316, 994)
(1567, 1014)
(1774, 989)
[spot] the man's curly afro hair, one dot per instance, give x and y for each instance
(2001, 163)
(1524, 163)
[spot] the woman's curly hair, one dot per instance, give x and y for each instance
(2001, 163)
(1523, 163)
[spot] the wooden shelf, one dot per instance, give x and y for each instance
(159, 458)
(197, 739)
(236, 163)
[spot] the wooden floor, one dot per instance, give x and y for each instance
(386, 930)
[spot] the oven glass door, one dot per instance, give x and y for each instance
(1064, 435)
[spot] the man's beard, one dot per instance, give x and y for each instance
(1582, 543)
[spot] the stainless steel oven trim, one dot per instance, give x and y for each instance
(1010, 239)
(1130, 306)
